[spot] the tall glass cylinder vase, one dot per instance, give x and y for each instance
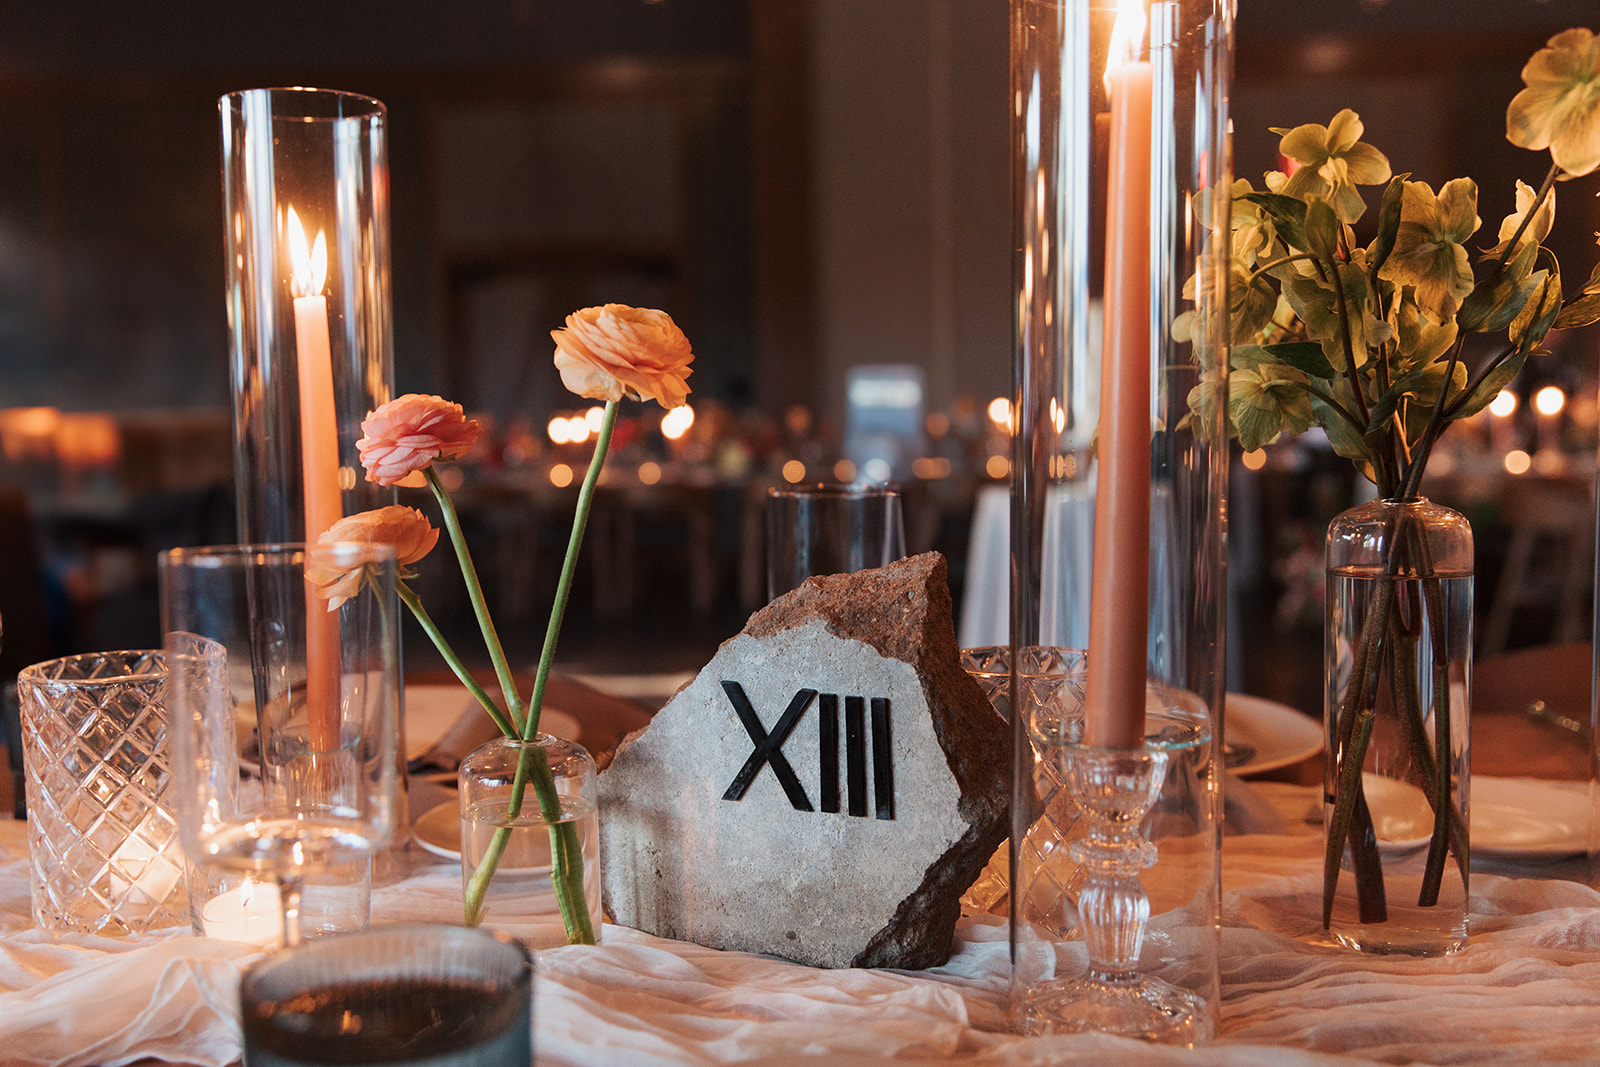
(1398, 664)
(306, 190)
(1122, 174)
(305, 179)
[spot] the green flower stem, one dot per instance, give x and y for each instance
(481, 695)
(1478, 379)
(1328, 399)
(1267, 268)
(1354, 732)
(480, 608)
(1434, 764)
(565, 851)
(1435, 427)
(569, 566)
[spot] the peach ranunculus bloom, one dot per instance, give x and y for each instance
(409, 432)
(606, 353)
(407, 529)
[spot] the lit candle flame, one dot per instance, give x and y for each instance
(1127, 36)
(309, 264)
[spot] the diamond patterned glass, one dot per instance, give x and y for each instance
(102, 843)
(1048, 875)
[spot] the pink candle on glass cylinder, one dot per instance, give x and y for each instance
(319, 468)
(1119, 596)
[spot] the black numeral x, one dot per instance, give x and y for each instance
(768, 747)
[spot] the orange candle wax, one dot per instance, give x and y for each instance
(319, 473)
(1120, 594)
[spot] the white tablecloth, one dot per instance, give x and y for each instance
(1526, 989)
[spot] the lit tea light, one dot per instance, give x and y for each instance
(250, 914)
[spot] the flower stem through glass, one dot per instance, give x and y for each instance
(533, 765)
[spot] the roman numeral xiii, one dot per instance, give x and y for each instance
(863, 719)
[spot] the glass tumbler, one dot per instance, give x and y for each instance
(830, 529)
(285, 763)
(434, 995)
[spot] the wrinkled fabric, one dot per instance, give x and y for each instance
(1526, 989)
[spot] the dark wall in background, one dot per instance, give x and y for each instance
(110, 198)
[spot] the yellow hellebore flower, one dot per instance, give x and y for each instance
(1537, 229)
(1333, 161)
(1560, 108)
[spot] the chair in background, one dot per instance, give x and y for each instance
(1549, 563)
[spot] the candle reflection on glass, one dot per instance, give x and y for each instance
(151, 873)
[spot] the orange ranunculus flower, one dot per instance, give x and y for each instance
(409, 432)
(407, 529)
(606, 353)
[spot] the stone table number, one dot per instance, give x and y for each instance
(824, 790)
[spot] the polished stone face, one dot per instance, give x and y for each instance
(825, 788)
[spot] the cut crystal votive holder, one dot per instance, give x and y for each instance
(102, 839)
(1047, 875)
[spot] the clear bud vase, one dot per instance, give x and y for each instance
(521, 897)
(1398, 658)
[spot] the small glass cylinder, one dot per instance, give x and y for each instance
(285, 765)
(830, 529)
(306, 191)
(521, 897)
(1398, 665)
(103, 855)
(1122, 175)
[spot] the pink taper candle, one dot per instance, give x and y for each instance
(1119, 597)
(319, 471)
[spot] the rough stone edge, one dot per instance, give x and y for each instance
(986, 826)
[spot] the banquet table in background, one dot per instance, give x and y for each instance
(1526, 989)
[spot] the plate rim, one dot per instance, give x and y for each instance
(1262, 709)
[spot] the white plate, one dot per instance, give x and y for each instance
(1280, 735)
(1514, 817)
(439, 832)
(1511, 817)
